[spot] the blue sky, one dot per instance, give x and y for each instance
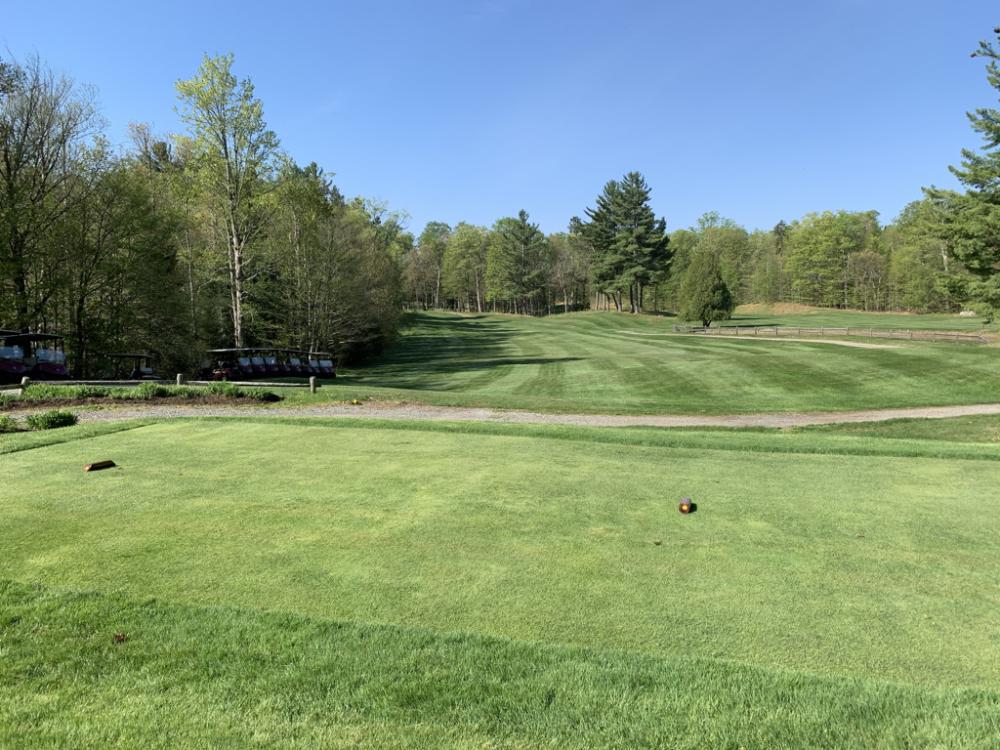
(470, 111)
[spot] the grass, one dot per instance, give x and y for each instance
(812, 317)
(407, 586)
(983, 428)
(612, 363)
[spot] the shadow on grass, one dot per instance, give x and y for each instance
(435, 346)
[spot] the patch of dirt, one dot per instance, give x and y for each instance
(835, 342)
(778, 308)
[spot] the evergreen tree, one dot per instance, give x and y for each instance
(973, 218)
(704, 294)
(631, 246)
(517, 265)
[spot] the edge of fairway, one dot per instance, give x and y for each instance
(756, 440)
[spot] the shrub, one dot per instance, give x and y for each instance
(8, 424)
(48, 420)
(146, 391)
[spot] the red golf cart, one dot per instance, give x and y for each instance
(12, 364)
(44, 355)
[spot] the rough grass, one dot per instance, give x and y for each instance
(408, 586)
(589, 362)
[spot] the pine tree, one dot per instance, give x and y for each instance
(517, 264)
(631, 246)
(972, 223)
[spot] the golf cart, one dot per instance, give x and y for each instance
(12, 364)
(43, 355)
(275, 364)
(296, 365)
(326, 365)
(133, 366)
(226, 364)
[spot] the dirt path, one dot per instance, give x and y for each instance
(834, 342)
(461, 414)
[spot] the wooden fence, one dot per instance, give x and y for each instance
(956, 337)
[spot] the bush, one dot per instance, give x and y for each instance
(48, 420)
(8, 424)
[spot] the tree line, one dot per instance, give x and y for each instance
(178, 243)
(941, 254)
(621, 257)
(214, 236)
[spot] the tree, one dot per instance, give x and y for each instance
(730, 244)
(631, 246)
(45, 123)
(972, 221)
(570, 270)
(704, 293)
(818, 251)
(236, 153)
(465, 266)
(517, 265)
(431, 245)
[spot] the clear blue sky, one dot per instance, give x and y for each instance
(472, 110)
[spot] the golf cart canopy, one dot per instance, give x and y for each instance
(27, 337)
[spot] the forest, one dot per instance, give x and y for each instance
(215, 236)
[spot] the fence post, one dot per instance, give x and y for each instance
(25, 381)
(181, 380)
(312, 383)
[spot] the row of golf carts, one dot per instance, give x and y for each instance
(256, 363)
(40, 356)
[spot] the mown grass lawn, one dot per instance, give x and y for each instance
(778, 315)
(615, 363)
(416, 585)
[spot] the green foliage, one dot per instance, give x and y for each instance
(464, 266)
(48, 420)
(45, 393)
(517, 264)
(235, 157)
(8, 424)
(704, 294)
(818, 252)
(630, 245)
(971, 221)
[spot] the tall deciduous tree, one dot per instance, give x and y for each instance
(465, 266)
(237, 157)
(45, 123)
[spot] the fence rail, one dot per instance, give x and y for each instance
(956, 337)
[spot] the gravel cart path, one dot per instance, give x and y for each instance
(379, 410)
